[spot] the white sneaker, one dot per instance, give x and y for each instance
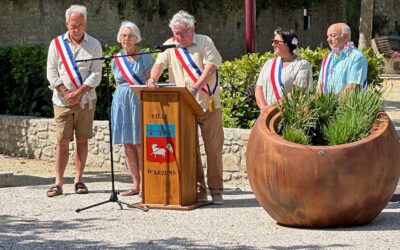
(217, 199)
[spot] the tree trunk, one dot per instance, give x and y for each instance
(367, 12)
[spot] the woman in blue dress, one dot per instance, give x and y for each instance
(125, 111)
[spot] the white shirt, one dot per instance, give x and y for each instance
(295, 73)
(90, 70)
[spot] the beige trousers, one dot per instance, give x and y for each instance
(213, 136)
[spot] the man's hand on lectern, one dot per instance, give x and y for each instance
(151, 82)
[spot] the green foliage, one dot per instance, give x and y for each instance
(296, 135)
(325, 105)
(238, 78)
(25, 87)
(24, 84)
(297, 112)
(328, 119)
(356, 114)
(101, 112)
(347, 127)
(375, 69)
(6, 79)
(23, 81)
(314, 57)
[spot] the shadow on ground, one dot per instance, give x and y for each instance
(19, 232)
(95, 176)
(16, 233)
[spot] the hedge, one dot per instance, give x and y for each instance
(25, 91)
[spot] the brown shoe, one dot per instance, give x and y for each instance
(80, 188)
(54, 190)
(201, 196)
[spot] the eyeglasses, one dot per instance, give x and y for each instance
(277, 41)
(76, 27)
(181, 34)
(127, 36)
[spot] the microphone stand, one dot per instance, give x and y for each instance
(114, 194)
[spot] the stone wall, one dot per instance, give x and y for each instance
(35, 138)
(38, 21)
(386, 17)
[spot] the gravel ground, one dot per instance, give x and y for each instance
(30, 220)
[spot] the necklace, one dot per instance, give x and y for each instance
(332, 71)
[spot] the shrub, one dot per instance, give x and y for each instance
(375, 69)
(315, 58)
(356, 114)
(328, 119)
(23, 79)
(295, 135)
(101, 112)
(238, 78)
(298, 111)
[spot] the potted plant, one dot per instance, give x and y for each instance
(324, 160)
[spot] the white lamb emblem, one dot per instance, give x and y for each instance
(161, 151)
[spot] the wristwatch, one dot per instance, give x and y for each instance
(194, 90)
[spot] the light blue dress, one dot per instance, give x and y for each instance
(350, 66)
(126, 109)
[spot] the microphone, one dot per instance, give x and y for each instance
(169, 46)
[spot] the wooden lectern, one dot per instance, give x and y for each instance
(169, 147)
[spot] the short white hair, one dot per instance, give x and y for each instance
(76, 9)
(182, 17)
(346, 30)
(130, 25)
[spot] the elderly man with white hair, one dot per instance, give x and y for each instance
(345, 67)
(194, 64)
(74, 97)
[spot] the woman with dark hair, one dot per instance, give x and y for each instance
(282, 72)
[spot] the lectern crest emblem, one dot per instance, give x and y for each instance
(160, 142)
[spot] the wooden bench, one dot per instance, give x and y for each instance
(389, 47)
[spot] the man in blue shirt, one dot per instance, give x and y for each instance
(345, 67)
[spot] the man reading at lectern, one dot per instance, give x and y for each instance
(74, 97)
(193, 64)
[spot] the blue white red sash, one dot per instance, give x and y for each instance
(126, 70)
(365, 84)
(325, 68)
(276, 77)
(192, 69)
(68, 60)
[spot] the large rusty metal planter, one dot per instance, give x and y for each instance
(322, 186)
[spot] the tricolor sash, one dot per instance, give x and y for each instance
(68, 60)
(192, 69)
(276, 77)
(126, 69)
(326, 66)
(365, 84)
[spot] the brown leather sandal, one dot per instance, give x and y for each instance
(80, 188)
(130, 192)
(54, 190)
